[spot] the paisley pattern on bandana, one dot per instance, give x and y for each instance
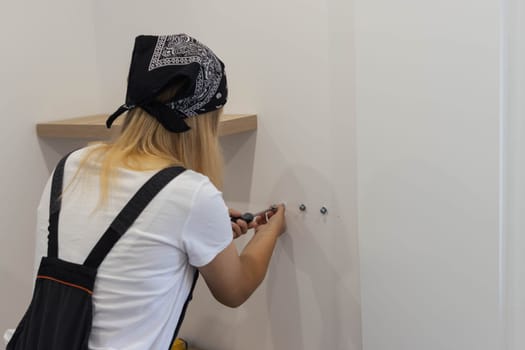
(181, 49)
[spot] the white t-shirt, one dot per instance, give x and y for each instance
(144, 281)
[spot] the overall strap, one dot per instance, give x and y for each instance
(129, 214)
(184, 308)
(55, 202)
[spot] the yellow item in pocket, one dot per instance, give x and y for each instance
(179, 344)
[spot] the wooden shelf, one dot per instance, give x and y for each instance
(94, 126)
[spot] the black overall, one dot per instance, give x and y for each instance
(60, 314)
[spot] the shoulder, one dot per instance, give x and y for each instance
(197, 193)
(194, 186)
(192, 201)
(196, 181)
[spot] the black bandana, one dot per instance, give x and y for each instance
(160, 61)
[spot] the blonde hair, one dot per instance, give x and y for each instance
(144, 138)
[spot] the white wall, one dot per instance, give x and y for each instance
(428, 173)
(48, 71)
(290, 68)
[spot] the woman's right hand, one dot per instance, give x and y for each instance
(276, 221)
(231, 277)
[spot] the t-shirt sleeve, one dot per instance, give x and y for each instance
(208, 230)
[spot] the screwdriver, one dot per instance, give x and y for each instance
(248, 217)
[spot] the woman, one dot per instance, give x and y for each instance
(176, 90)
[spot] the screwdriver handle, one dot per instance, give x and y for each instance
(248, 217)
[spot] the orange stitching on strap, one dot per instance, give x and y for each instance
(66, 283)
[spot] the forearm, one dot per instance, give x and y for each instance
(255, 258)
(231, 277)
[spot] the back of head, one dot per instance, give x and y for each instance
(176, 90)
